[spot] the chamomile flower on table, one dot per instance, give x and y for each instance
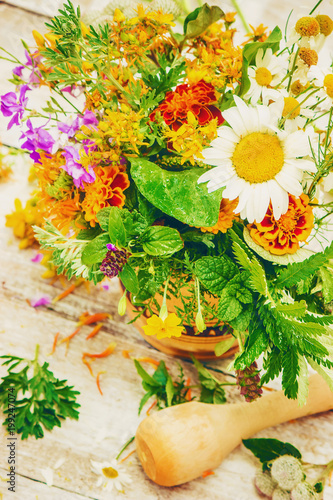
(264, 76)
(112, 475)
(257, 162)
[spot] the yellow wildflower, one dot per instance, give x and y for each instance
(167, 328)
(22, 220)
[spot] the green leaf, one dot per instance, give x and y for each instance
(215, 272)
(117, 231)
(249, 54)
(290, 363)
(224, 346)
(327, 282)
(161, 374)
(268, 449)
(170, 390)
(296, 309)
(103, 217)
(302, 270)
(200, 19)
(95, 251)
(243, 320)
(256, 343)
(145, 376)
(88, 234)
(144, 400)
(205, 377)
(161, 240)
(177, 194)
(129, 279)
(303, 381)
(229, 307)
(326, 373)
(199, 237)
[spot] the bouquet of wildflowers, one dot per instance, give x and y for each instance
(191, 168)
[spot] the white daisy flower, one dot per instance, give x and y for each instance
(256, 162)
(294, 112)
(267, 73)
(112, 475)
(323, 78)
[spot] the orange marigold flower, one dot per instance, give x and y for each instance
(61, 212)
(198, 99)
(107, 190)
(226, 217)
(284, 235)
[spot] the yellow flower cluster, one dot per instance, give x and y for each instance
(123, 129)
(22, 220)
(190, 139)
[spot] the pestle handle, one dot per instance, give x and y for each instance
(179, 443)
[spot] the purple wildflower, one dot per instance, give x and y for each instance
(70, 130)
(35, 75)
(37, 138)
(41, 301)
(112, 247)
(37, 258)
(74, 90)
(114, 261)
(18, 69)
(89, 118)
(10, 106)
(74, 168)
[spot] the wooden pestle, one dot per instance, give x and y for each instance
(178, 444)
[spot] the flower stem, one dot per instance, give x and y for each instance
(314, 8)
(125, 446)
(241, 16)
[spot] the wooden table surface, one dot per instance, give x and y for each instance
(105, 421)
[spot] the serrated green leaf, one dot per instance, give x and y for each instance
(215, 272)
(327, 283)
(256, 343)
(303, 381)
(228, 308)
(326, 373)
(296, 309)
(302, 270)
(268, 449)
(290, 364)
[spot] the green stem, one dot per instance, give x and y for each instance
(125, 446)
(314, 8)
(241, 16)
(292, 69)
(36, 354)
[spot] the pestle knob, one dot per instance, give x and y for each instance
(178, 444)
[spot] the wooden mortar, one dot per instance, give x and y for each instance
(178, 444)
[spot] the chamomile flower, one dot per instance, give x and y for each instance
(307, 33)
(293, 111)
(256, 162)
(266, 74)
(112, 475)
(323, 77)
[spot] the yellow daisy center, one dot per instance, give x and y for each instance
(307, 26)
(325, 23)
(263, 77)
(328, 83)
(291, 107)
(258, 157)
(110, 472)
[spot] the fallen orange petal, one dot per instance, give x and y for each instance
(55, 342)
(109, 350)
(64, 293)
(188, 394)
(92, 318)
(125, 458)
(98, 382)
(126, 353)
(67, 339)
(149, 360)
(207, 473)
(94, 331)
(88, 365)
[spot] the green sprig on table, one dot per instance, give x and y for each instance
(41, 400)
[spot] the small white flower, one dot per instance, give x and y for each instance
(256, 162)
(112, 475)
(323, 78)
(267, 73)
(310, 42)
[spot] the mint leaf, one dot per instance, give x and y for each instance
(215, 272)
(117, 231)
(129, 279)
(229, 307)
(161, 240)
(95, 251)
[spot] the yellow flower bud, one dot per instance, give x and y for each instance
(122, 304)
(118, 16)
(39, 39)
(199, 322)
